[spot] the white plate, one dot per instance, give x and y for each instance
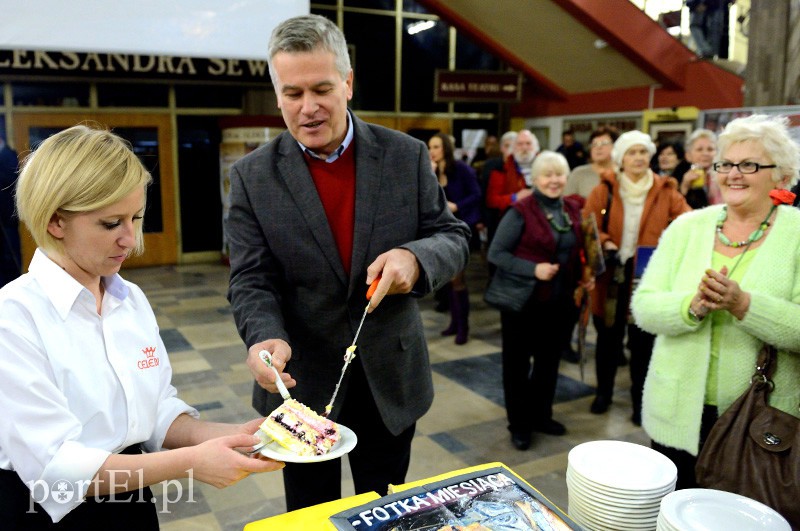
(663, 525)
(623, 497)
(601, 506)
(347, 441)
(612, 506)
(707, 509)
(589, 520)
(617, 496)
(630, 518)
(622, 465)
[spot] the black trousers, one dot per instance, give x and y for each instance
(640, 344)
(133, 510)
(537, 333)
(684, 461)
(378, 459)
(610, 340)
(610, 344)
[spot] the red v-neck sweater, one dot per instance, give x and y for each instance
(336, 186)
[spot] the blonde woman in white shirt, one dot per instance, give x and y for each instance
(86, 378)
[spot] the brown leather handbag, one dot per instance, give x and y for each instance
(754, 449)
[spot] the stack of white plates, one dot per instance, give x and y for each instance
(707, 509)
(615, 485)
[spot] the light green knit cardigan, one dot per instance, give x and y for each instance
(674, 390)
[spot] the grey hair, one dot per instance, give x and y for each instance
(509, 136)
(696, 135)
(305, 34)
(772, 133)
(549, 160)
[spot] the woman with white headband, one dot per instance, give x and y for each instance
(632, 207)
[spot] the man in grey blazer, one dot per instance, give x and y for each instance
(316, 215)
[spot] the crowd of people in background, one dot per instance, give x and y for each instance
(533, 203)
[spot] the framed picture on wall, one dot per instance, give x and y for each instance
(662, 132)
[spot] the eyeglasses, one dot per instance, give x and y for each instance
(743, 167)
(600, 143)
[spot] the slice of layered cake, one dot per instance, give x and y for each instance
(301, 431)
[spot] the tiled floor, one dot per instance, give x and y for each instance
(466, 425)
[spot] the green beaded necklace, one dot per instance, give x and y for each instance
(754, 236)
(556, 226)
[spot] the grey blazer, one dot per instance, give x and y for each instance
(287, 280)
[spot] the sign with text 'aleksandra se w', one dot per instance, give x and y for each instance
(468, 85)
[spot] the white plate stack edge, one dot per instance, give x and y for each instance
(617, 485)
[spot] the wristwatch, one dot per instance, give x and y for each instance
(693, 316)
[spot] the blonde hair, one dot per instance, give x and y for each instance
(80, 169)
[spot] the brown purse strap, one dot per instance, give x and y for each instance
(766, 363)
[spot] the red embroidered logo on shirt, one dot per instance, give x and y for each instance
(151, 360)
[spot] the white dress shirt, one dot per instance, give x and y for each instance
(78, 386)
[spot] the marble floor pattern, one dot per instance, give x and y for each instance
(466, 425)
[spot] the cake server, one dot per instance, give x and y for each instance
(350, 353)
(266, 357)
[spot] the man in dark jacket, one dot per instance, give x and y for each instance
(316, 216)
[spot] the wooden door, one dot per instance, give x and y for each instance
(151, 138)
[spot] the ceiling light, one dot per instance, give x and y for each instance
(422, 25)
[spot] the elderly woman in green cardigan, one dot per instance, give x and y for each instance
(723, 281)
